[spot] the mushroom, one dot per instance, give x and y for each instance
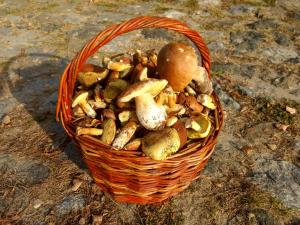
(118, 66)
(206, 101)
(125, 135)
(160, 144)
(78, 112)
(205, 126)
(113, 89)
(109, 113)
(171, 121)
(109, 131)
(190, 90)
(190, 123)
(142, 74)
(177, 63)
(125, 115)
(133, 145)
(91, 74)
(81, 100)
(191, 102)
(99, 103)
(89, 131)
(182, 132)
(167, 97)
(203, 83)
(151, 115)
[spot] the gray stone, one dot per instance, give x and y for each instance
(260, 217)
(263, 24)
(157, 33)
(245, 70)
(279, 54)
(297, 146)
(297, 15)
(34, 173)
(215, 46)
(71, 203)
(226, 99)
(280, 178)
(282, 39)
(241, 9)
(245, 90)
(245, 41)
(173, 14)
(255, 216)
(203, 3)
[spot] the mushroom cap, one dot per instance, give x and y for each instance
(149, 86)
(177, 63)
(79, 98)
(160, 144)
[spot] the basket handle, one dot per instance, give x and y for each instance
(68, 79)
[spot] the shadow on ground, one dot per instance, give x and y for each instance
(33, 80)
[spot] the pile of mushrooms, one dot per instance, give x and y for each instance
(156, 103)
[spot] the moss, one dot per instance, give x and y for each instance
(192, 4)
(270, 2)
(274, 111)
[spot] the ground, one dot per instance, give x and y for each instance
(253, 176)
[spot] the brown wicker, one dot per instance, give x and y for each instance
(128, 175)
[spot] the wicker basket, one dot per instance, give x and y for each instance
(127, 175)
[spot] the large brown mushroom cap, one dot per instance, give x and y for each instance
(177, 63)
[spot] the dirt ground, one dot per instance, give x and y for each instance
(253, 176)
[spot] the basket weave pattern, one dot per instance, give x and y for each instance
(127, 175)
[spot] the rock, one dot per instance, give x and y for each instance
(241, 9)
(71, 203)
(34, 173)
(279, 54)
(245, 41)
(215, 46)
(244, 90)
(203, 3)
(244, 70)
(157, 33)
(280, 178)
(297, 15)
(255, 216)
(226, 99)
(6, 120)
(297, 146)
(173, 14)
(263, 24)
(259, 217)
(282, 39)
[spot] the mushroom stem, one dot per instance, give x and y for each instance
(88, 109)
(151, 115)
